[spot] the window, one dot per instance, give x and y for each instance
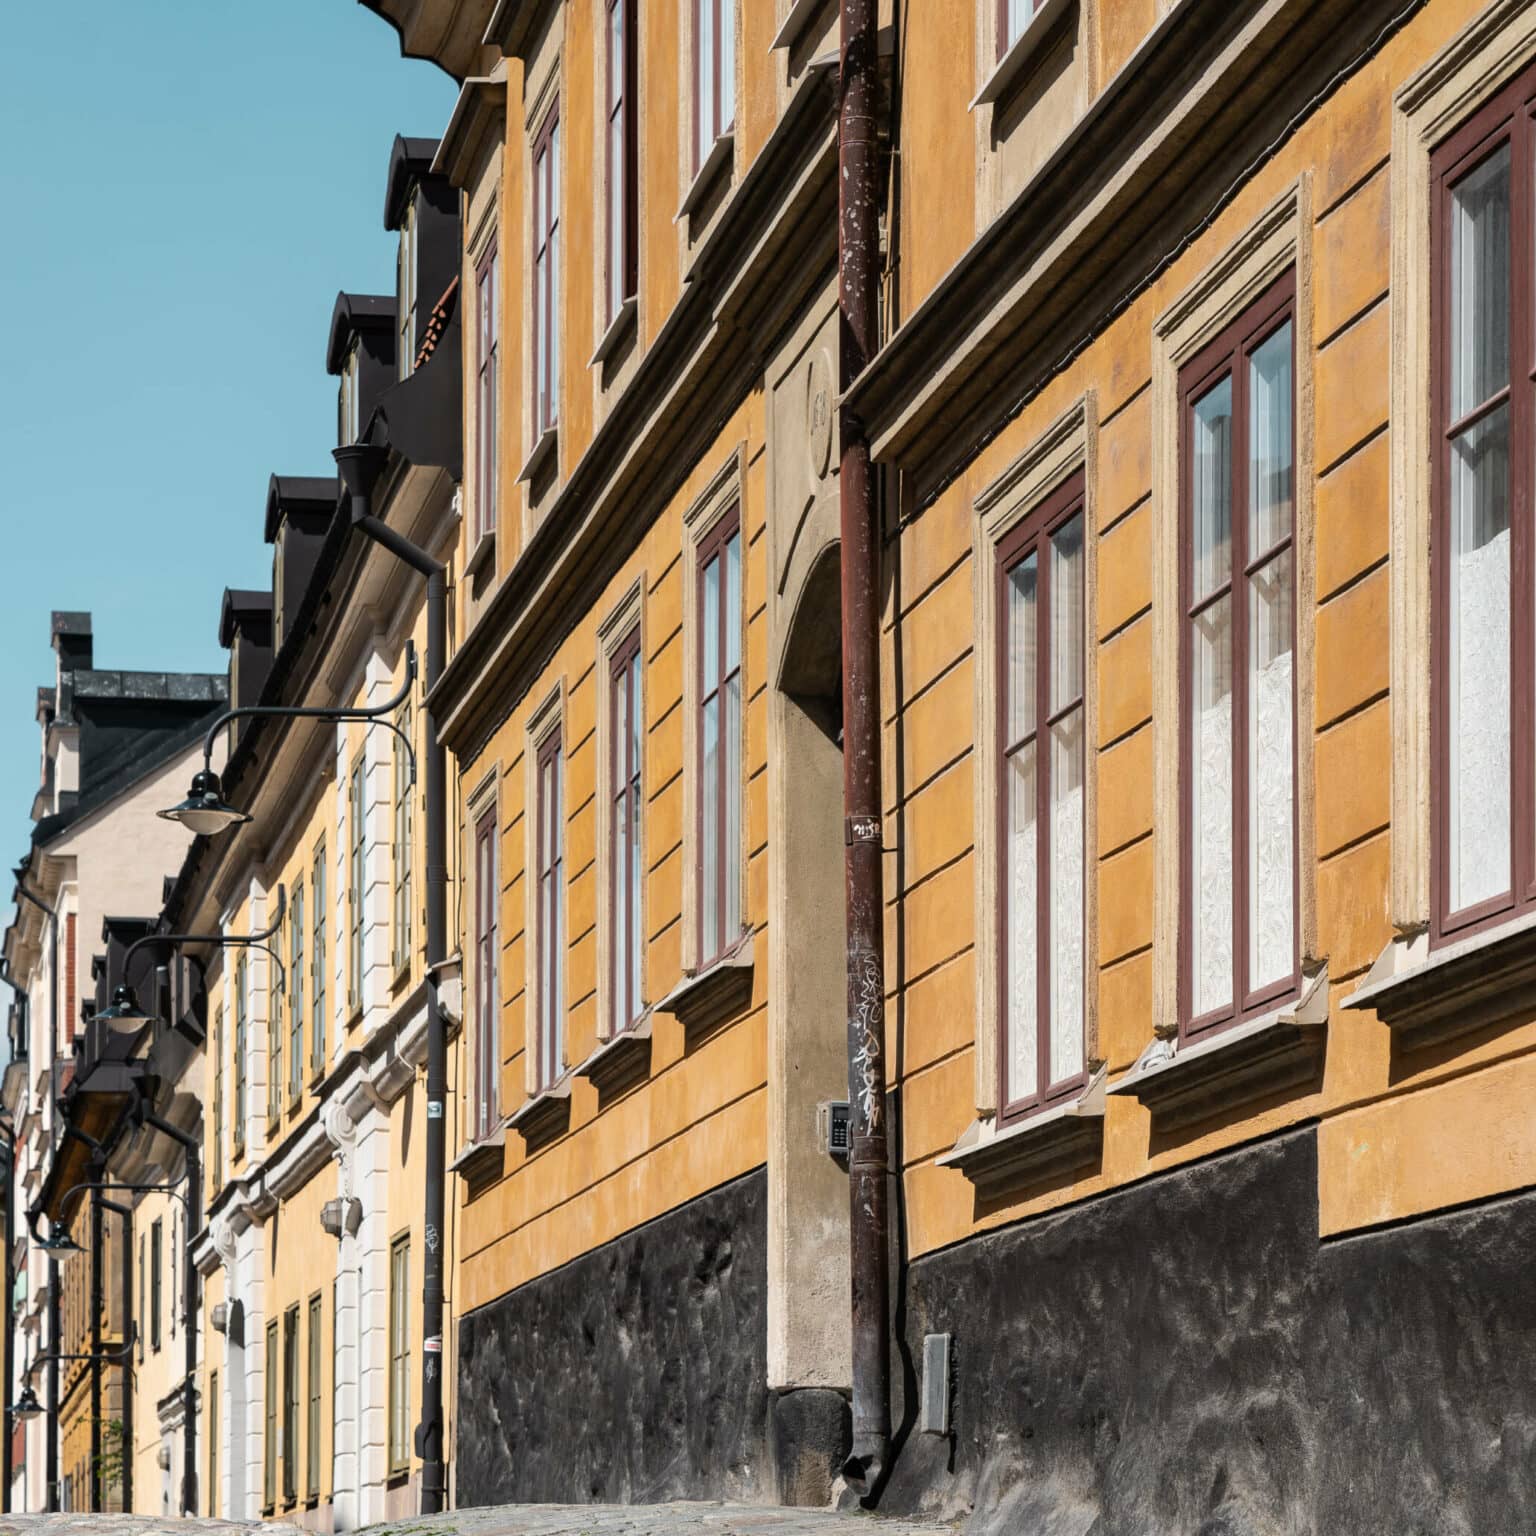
(403, 847)
(405, 287)
(317, 962)
(628, 947)
(487, 409)
(621, 167)
(714, 75)
(143, 1308)
(216, 1042)
(719, 798)
(349, 427)
(487, 1012)
(1238, 749)
(546, 275)
(156, 1303)
(400, 1354)
(1042, 645)
(296, 997)
(312, 1438)
(1483, 676)
(356, 873)
(211, 1503)
(1012, 18)
(241, 998)
(550, 832)
(291, 1404)
(274, 1040)
(269, 1482)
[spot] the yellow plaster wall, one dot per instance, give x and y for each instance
(700, 1117)
(1385, 1123)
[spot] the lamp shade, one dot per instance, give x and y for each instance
(123, 1014)
(27, 1406)
(204, 811)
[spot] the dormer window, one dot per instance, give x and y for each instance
(350, 426)
(406, 288)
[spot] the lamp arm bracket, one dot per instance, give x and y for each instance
(223, 940)
(314, 711)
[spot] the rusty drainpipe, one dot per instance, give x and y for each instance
(858, 294)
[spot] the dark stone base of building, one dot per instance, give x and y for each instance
(634, 1374)
(1185, 1356)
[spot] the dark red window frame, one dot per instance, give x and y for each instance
(549, 863)
(621, 180)
(1506, 120)
(487, 1015)
(626, 852)
(546, 267)
(488, 308)
(1033, 536)
(713, 547)
(1228, 355)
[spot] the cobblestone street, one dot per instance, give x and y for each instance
(681, 1519)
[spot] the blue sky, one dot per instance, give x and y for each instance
(190, 182)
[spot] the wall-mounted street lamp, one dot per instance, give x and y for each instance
(27, 1406)
(206, 812)
(124, 1015)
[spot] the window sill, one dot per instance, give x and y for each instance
(1424, 996)
(619, 330)
(483, 554)
(543, 451)
(800, 13)
(621, 1061)
(1026, 46)
(1060, 1140)
(720, 154)
(545, 1116)
(1184, 1084)
(480, 1164)
(704, 1001)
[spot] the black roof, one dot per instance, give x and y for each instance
(239, 605)
(353, 314)
(299, 493)
(410, 160)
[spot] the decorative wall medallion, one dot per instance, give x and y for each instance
(818, 412)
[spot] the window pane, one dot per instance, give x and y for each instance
(1066, 895)
(1021, 598)
(709, 831)
(1480, 284)
(731, 789)
(1211, 791)
(710, 626)
(634, 715)
(1023, 894)
(1270, 438)
(1271, 773)
(733, 602)
(1017, 15)
(727, 109)
(1067, 614)
(1212, 488)
(1479, 663)
(706, 77)
(636, 940)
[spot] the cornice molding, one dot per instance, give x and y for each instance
(1106, 212)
